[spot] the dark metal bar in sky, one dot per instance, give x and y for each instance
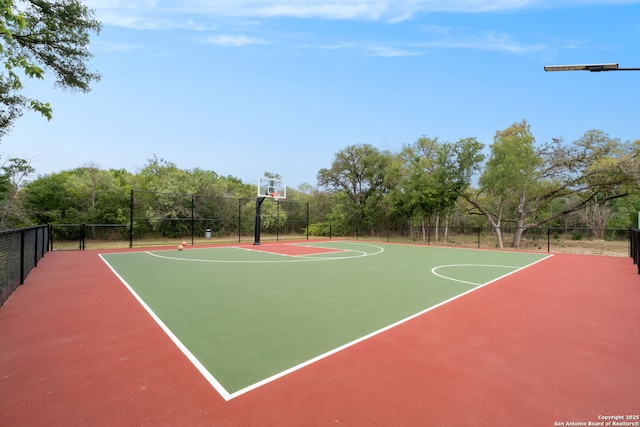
(588, 67)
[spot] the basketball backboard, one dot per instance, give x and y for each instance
(272, 187)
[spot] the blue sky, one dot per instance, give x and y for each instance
(241, 87)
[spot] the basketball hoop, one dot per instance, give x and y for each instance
(268, 188)
(275, 195)
(272, 188)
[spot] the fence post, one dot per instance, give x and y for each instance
(277, 220)
(22, 256)
(193, 222)
(131, 222)
(307, 220)
(239, 220)
(35, 247)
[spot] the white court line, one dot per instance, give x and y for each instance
(434, 269)
(373, 334)
(228, 396)
(289, 258)
(199, 366)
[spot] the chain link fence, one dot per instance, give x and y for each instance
(20, 251)
(603, 241)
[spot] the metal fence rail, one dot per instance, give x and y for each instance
(20, 251)
(76, 236)
(165, 218)
(603, 241)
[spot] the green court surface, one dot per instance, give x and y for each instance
(246, 315)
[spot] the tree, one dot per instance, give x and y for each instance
(593, 172)
(415, 196)
(434, 176)
(17, 170)
(510, 173)
(38, 37)
(363, 174)
(524, 183)
(625, 211)
(12, 179)
(457, 164)
(101, 195)
(82, 195)
(47, 200)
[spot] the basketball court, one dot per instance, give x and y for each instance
(395, 342)
(332, 332)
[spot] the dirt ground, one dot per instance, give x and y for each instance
(588, 247)
(617, 248)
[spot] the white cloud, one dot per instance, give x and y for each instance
(227, 40)
(371, 10)
(447, 38)
(377, 50)
(440, 37)
(391, 52)
(126, 20)
(489, 41)
(113, 47)
(233, 16)
(335, 46)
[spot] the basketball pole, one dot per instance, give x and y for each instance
(259, 201)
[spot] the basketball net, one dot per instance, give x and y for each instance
(275, 195)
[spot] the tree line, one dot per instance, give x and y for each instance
(592, 182)
(513, 183)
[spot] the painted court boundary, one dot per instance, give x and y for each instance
(556, 342)
(319, 256)
(229, 396)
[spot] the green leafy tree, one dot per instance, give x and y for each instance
(525, 183)
(457, 163)
(509, 175)
(101, 195)
(415, 195)
(320, 204)
(363, 174)
(86, 195)
(12, 179)
(170, 200)
(37, 37)
(272, 215)
(625, 212)
(46, 199)
(434, 176)
(216, 204)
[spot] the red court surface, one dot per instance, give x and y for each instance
(292, 250)
(553, 344)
